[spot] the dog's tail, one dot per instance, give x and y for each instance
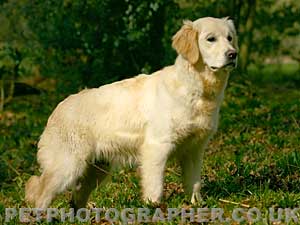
(32, 189)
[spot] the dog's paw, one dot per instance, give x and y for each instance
(196, 198)
(151, 201)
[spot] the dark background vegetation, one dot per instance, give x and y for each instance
(52, 48)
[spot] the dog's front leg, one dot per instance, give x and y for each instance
(153, 159)
(196, 176)
(191, 165)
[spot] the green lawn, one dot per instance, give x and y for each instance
(254, 158)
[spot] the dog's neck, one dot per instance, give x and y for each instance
(211, 83)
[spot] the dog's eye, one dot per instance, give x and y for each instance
(211, 39)
(229, 38)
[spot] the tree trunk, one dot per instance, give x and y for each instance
(245, 48)
(1, 95)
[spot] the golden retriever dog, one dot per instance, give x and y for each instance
(143, 120)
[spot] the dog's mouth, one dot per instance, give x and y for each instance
(231, 64)
(228, 65)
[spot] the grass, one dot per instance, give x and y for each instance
(254, 159)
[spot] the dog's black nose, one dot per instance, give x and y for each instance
(231, 54)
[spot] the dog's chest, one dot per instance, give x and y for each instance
(200, 120)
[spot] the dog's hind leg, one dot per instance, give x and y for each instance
(93, 176)
(32, 189)
(54, 180)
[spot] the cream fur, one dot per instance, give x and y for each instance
(142, 120)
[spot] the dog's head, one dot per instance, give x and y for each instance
(211, 41)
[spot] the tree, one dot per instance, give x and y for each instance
(18, 50)
(100, 41)
(93, 42)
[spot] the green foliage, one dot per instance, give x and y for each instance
(95, 42)
(17, 42)
(9, 59)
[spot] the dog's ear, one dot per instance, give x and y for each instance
(230, 23)
(185, 42)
